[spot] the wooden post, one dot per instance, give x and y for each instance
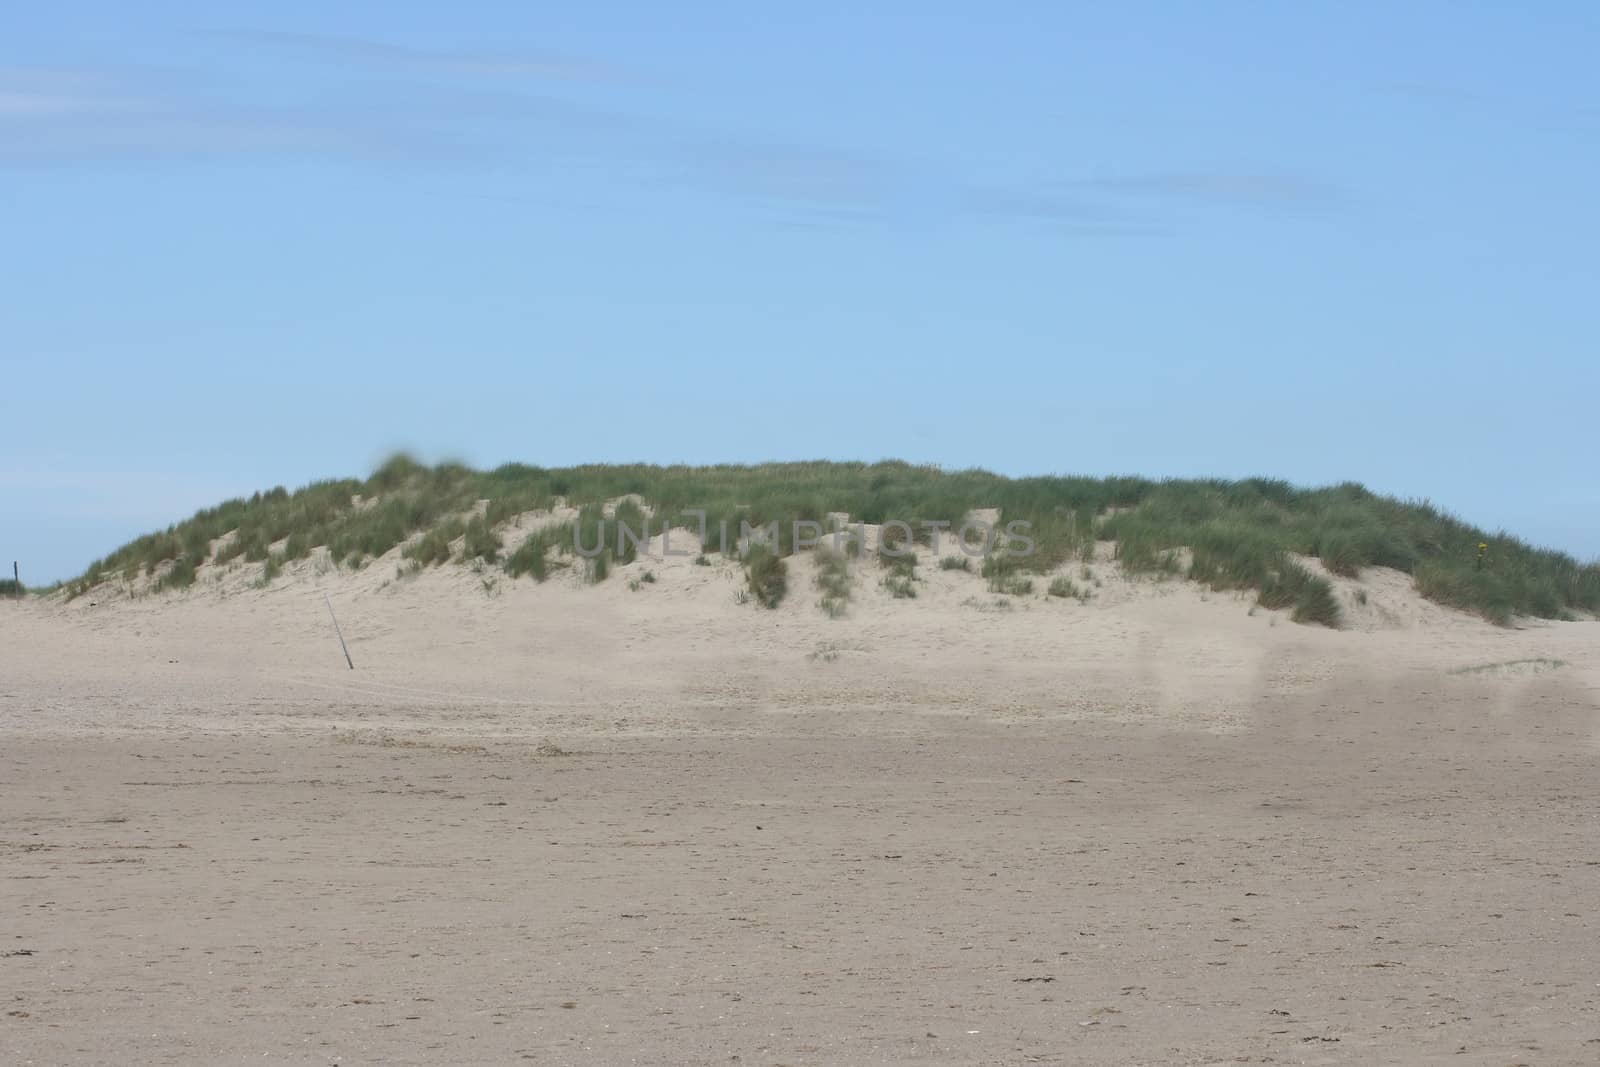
(336, 630)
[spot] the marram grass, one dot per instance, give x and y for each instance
(1226, 534)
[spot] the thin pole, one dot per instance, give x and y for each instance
(338, 631)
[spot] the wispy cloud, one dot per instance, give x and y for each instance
(1054, 209)
(55, 92)
(473, 118)
(1248, 190)
(519, 62)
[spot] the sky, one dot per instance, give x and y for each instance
(258, 244)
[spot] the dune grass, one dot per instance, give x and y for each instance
(1064, 587)
(11, 587)
(901, 581)
(480, 542)
(766, 574)
(833, 578)
(1244, 535)
(532, 556)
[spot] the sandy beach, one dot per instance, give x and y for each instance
(566, 824)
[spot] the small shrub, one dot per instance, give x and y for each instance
(180, 576)
(901, 586)
(955, 563)
(767, 576)
(1062, 587)
(599, 567)
(702, 560)
(11, 587)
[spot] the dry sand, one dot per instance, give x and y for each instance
(559, 824)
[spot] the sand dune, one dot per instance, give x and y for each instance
(647, 823)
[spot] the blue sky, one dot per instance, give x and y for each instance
(259, 244)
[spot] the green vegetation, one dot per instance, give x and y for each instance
(180, 575)
(1065, 588)
(833, 578)
(1243, 535)
(480, 542)
(767, 575)
(1005, 575)
(955, 563)
(532, 556)
(11, 587)
(431, 549)
(901, 581)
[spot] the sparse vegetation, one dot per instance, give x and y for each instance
(1063, 587)
(1243, 535)
(533, 555)
(480, 542)
(180, 575)
(431, 549)
(11, 587)
(901, 581)
(833, 578)
(1004, 574)
(767, 575)
(955, 563)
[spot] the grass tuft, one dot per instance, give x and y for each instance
(901, 581)
(833, 578)
(480, 542)
(767, 575)
(1065, 588)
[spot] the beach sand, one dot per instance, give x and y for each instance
(566, 824)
